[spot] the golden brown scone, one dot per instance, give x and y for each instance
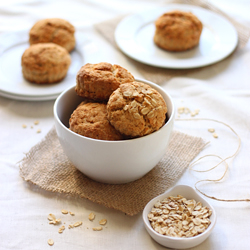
(98, 81)
(177, 31)
(90, 120)
(45, 63)
(136, 109)
(53, 30)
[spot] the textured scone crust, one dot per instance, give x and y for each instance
(45, 63)
(90, 119)
(98, 81)
(54, 30)
(136, 109)
(177, 31)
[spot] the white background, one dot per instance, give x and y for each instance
(221, 92)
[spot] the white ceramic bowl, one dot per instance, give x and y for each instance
(111, 162)
(174, 242)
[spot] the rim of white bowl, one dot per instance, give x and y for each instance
(118, 141)
(177, 239)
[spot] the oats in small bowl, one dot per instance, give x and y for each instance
(179, 218)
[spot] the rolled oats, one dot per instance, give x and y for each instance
(97, 228)
(103, 222)
(154, 102)
(64, 211)
(185, 110)
(215, 135)
(134, 104)
(136, 116)
(211, 130)
(53, 220)
(77, 224)
(91, 216)
(50, 242)
(144, 111)
(127, 93)
(150, 114)
(51, 217)
(61, 229)
(179, 217)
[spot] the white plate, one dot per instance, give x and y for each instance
(12, 83)
(134, 36)
(28, 98)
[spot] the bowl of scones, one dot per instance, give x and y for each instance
(112, 127)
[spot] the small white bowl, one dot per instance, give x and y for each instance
(174, 242)
(111, 162)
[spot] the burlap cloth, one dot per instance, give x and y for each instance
(159, 75)
(46, 166)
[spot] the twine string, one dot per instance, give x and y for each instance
(222, 160)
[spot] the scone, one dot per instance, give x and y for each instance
(136, 109)
(45, 63)
(53, 30)
(98, 81)
(90, 119)
(177, 31)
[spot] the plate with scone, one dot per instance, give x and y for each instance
(38, 64)
(176, 36)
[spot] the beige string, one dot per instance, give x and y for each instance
(222, 161)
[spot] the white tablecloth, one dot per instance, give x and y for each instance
(221, 93)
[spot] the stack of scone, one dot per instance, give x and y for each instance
(47, 60)
(115, 106)
(177, 31)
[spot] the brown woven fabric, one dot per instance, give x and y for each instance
(159, 75)
(46, 166)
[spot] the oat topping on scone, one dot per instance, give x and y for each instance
(136, 109)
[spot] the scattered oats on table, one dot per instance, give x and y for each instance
(77, 224)
(215, 135)
(64, 211)
(91, 216)
(185, 110)
(53, 220)
(61, 229)
(97, 228)
(103, 222)
(50, 242)
(51, 217)
(211, 130)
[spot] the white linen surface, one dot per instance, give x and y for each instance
(221, 93)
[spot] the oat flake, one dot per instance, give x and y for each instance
(91, 216)
(103, 222)
(50, 242)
